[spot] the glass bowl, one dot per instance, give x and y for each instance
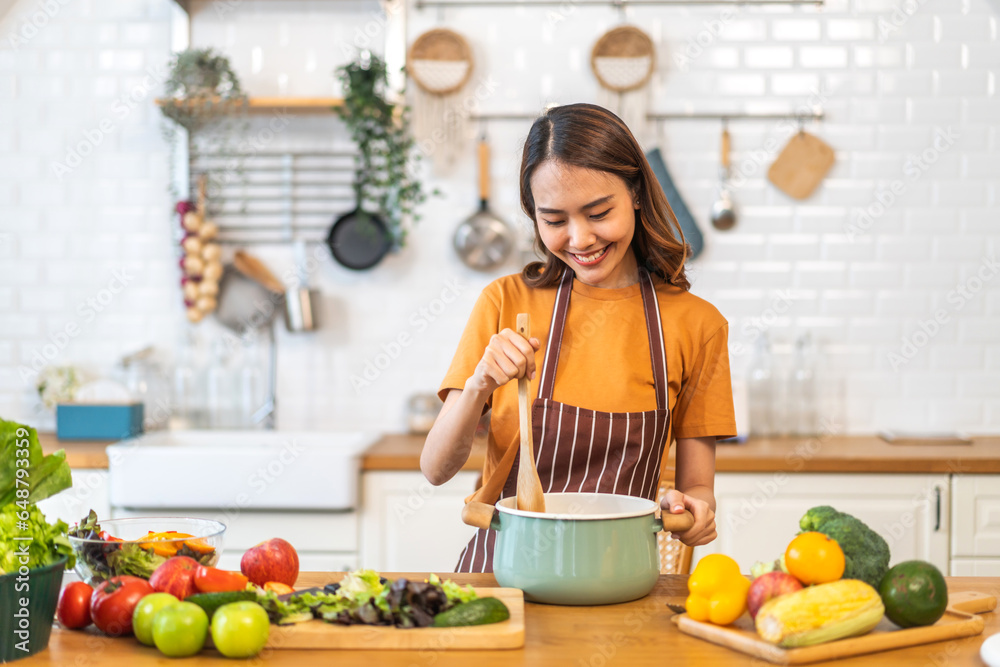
(137, 546)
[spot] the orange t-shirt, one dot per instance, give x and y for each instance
(604, 363)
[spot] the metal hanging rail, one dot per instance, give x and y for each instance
(277, 196)
(802, 117)
(618, 4)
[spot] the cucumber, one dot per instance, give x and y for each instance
(480, 611)
(212, 601)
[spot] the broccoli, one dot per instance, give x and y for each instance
(866, 553)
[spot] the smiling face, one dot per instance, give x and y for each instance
(586, 218)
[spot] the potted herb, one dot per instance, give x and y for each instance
(202, 93)
(201, 88)
(385, 183)
(35, 551)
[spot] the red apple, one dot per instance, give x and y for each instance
(176, 576)
(768, 586)
(273, 560)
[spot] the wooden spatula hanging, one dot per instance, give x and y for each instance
(801, 166)
(530, 496)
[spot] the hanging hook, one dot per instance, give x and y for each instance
(620, 6)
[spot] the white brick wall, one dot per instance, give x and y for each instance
(890, 80)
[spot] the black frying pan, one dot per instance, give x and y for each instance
(359, 239)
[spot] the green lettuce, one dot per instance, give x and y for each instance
(360, 586)
(46, 475)
(21, 486)
(456, 594)
(48, 541)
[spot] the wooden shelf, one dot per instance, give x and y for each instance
(296, 105)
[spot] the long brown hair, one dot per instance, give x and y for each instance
(591, 137)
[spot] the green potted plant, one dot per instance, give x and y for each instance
(385, 181)
(203, 92)
(201, 88)
(35, 551)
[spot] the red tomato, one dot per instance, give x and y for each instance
(73, 610)
(213, 580)
(114, 602)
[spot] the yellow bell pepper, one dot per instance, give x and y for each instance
(717, 592)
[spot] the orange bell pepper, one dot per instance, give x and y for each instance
(212, 580)
(199, 546)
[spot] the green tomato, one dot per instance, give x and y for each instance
(145, 611)
(240, 629)
(180, 630)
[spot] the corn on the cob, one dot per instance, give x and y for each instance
(822, 613)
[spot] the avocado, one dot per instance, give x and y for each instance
(914, 594)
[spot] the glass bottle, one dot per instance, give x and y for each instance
(760, 389)
(802, 388)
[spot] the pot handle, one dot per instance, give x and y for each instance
(481, 515)
(673, 523)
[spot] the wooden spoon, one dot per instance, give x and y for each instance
(530, 497)
(257, 271)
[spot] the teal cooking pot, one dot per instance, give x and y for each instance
(585, 549)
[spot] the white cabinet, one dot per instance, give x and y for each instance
(89, 491)
(975, 567)
(409, 525)
(758, 513)
(975, 530)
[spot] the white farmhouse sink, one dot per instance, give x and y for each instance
(247, 470)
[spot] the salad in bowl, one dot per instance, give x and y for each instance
(137, 546)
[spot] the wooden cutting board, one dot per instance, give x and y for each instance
(959, 620)
(319, 634)
(801, 165)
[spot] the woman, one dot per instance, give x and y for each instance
(632, 360)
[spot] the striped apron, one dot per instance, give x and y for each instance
(579, 450)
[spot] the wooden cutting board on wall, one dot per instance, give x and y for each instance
(959, 620)
(322, 635)
(801, 165)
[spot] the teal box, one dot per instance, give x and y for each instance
(98, 422)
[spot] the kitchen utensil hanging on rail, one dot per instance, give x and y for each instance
(483, 241)
(623, 60)
(359, 239)
(440, 62)
(301, 301)
(249, 294)
(692, 235)
(801, 165)
(723, 211)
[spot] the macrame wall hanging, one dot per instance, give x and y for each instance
(623, 60)
(440, 62)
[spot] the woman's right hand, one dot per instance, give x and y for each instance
(508, 356)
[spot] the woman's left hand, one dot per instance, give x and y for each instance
(703, 530)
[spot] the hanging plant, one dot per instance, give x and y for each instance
(203, 95)
(384, 179)
(201, 88)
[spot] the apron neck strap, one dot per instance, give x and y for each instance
(654, 331)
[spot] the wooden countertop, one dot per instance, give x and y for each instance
(634, 633)
(821, 454)
(398, 451)
(79, 453)
(853, 454)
